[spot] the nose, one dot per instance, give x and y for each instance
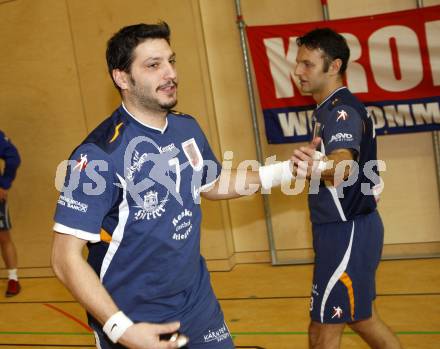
(170, 71)
(297, 70)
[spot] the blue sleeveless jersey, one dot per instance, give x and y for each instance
(346, 125)
(133, 191)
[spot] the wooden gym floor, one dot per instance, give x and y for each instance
(265, 307)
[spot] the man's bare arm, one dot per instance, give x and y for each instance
(235, 183)
(81, 280)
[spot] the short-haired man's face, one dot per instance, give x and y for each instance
(153, 77)
(311, 70)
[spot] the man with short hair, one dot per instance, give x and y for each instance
(347, 229)
(132, 195)
(9, 154)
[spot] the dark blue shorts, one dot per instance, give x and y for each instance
(346, 258)
(205, 331)
(5, 221)
(211, 334)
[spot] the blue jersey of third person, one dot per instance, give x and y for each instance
(9, 153)
(132, 191)
(346, 124)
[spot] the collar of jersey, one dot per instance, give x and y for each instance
(162, 131)
(329, 96)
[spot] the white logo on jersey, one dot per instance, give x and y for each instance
(73, 204)
(82, 163)
(137, 163)
(218, 335)
(183, 225)
(342, 114)
(337, 312)
(169, 147)
(342, 137)
(314, 293)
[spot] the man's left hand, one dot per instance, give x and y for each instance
(303, 158)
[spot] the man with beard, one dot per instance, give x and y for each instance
(140, 219)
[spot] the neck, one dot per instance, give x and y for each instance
(150, 117)
(320, 96)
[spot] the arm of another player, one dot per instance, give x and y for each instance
(236, 183)
(81, 280)
(249, 184)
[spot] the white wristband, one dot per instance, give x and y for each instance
(275, 174)
(116, 325)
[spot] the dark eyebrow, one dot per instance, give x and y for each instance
(156, 59)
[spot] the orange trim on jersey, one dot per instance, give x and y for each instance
(345, 279)
(106, 237)
(116, 132)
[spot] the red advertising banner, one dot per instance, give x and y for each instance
(394, 69)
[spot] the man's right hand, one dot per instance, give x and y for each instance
(146, 336)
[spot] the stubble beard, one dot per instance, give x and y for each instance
(143, 98)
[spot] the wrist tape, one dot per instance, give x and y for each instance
(116, 325)
(275, 174)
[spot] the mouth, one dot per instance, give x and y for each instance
(304, 84)
(169, 87)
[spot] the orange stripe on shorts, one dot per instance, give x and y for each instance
(105, 236)
(345, 279)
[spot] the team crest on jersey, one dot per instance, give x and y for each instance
(193, 154)
(342, 115)
(150, 201)
(152, 208)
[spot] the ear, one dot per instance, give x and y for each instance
(335, 65)
(121, 78)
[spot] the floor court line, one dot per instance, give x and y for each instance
(292, 333)
(243, 298)
(71, 317)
